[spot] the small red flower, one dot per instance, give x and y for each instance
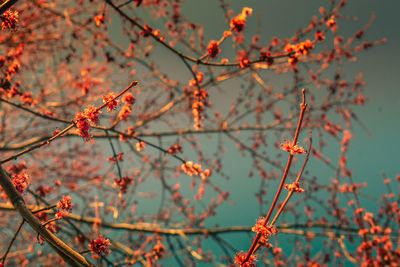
(9, 20)
(213, 49)
(238, 22)
(200, 93)
(293, 149)
(147, 31)
(82, 124)
(199, 78)
(128, 98)
(266, 56)
(244, 62)
(100, 246)
(174, 149)
(111, 100)
(123, 183)
(99, 19)
(158, 250)
(125, 112)
(191, 169)
(65, 203)
(241, 257)
(331, 23)
(265, 231)
(92, 114)
(207, 173)
(140, 146)
(21, 182)
(295, 187)
(319, 36)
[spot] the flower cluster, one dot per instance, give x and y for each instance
(99, 19)
(140, 146)
(9, 20)
(266, 56)
(111, 101)
(82, 124)
(213, 49)
(238, 22)
(319, 36)
(123, 184)
(195, 169)
(126, 110)
(149, 31)
(265, 231)
(198, 80)
(158, 250)
(200, 101)
(197, 109)
(296, 50)
(116, 158)
(295, 186)
(244, 62)
(21, 182)
(65, 203)
(293, 149)
(174, 149)
(241, 257)
(331, 23)
(92, 114)
(100, 246)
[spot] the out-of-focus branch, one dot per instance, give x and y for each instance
(297, 229)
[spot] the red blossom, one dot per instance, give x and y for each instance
(199, 77)
(21, 182)
(92, 114)
(174, 149)
(191, 169)
(158, 250)
(124, 113)
(319, 36)
(147, 31)
(100, 246)
(140, 146)
(266, 56)
(213, 49)
(14, 68)
(111, 101)
(265, 231)
(238, 22)
(123, 183)
(331, 23)
(241, 257)
(244, 62)
(82, 124)
(128, 98)
(99, 19)
(65, 203)
(201, 94)
(9, 19)
(295, 186)
(293, 149)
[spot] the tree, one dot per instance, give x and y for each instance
(117, 132)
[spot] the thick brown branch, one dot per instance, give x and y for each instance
(67, 253)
